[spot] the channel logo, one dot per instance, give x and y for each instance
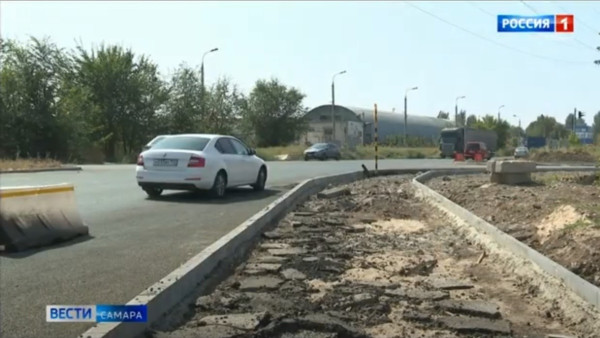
(559, 23)
(96, 313)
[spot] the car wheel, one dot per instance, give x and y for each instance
(220, 185)
(306, 158)
(153, 192)
(261, 179)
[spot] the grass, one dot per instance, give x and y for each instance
(33, 163)
(581, 224)
(295, 152)
(579, 153)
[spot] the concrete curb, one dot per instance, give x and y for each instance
(587, 291)
(21, 171)
(229, 250)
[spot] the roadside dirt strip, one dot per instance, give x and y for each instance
(558, 215)
(370, 260)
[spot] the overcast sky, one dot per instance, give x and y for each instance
(386, 47)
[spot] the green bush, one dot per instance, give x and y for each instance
(574, 140)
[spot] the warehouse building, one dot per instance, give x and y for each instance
(355, 126)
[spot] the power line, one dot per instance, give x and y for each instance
(481, 9)
(489, 40)
(574, 38)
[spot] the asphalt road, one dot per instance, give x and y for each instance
(134, 241)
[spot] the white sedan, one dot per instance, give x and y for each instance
(199, 162)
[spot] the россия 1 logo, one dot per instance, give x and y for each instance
(559, 23)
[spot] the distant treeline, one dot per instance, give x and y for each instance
(104, 104)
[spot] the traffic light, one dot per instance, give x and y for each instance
(580, 114)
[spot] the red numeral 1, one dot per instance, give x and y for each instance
(564, 23)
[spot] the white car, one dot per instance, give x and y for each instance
(521, 152)
(199, 162)
(154, 141)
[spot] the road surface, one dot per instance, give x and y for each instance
(134, 241)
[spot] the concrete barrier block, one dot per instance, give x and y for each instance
(510, 167)
(37, 216)
(511, 178)
(491, 166)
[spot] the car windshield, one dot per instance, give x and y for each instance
(182, 143)
(319, 146)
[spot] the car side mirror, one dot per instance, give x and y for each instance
(251, 152)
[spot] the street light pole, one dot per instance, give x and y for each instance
(333, 104)
(456, 109)
(406, 111)
(502, 106)
(202, 76)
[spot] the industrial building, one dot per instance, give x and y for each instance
(355, 126)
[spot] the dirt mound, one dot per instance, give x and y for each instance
(573, 156)
(559, 217)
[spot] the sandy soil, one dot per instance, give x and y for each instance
(375, 263)
(559, 215)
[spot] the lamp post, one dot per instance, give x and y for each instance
(502, 106)
(521, 134)
(333, 104)
(202, 76)
(456, 109)
(515, 116)
(406, 111)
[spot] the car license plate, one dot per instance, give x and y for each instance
(165, 163)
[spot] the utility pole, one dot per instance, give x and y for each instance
(502, 106)
(456, 109)
(333, 104)
(202, 90)
(406, 112)
(597, 62)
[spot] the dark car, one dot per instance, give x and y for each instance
(322, 151)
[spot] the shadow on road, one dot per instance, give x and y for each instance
(234, 195)
(33, 251)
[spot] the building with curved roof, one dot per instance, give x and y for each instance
(356, 125)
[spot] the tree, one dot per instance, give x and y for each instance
(29, 82)
(462, 118)
(489, 122)
(184, 106)
(126, 94)
(471, 120)
(596, 126)
(224, 108)
(545, 126)
(274, 113)
(443, 115)
(569, 121)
